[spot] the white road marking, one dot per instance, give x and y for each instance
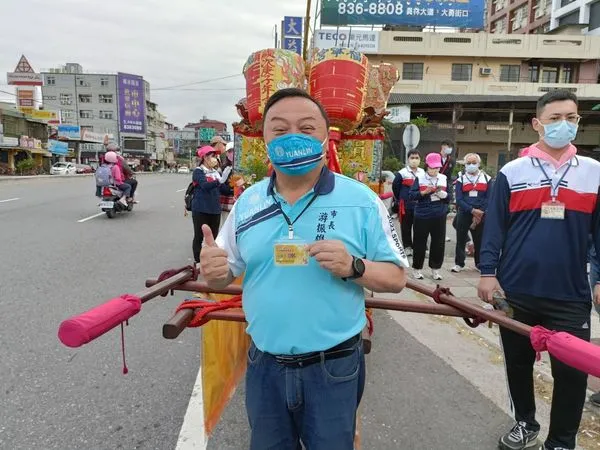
(192, 436)
(91, 217)
(14, 199)
(181, 190)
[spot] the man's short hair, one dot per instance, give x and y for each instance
(558, 95)
(291, 93)
(412, 153)
(447, 143)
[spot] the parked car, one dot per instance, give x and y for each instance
(84, 168)
(63, 168)
(183, 169)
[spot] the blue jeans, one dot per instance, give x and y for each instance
(316, 404)
(594, 272)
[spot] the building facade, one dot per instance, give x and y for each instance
(480, 89)
(519, 17)
(584, 13)
(91, 101)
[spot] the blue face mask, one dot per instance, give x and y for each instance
(559, 134)
(295, 154)
(472, 168)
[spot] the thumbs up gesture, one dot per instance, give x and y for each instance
(213, 260)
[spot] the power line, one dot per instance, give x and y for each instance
(196, 82)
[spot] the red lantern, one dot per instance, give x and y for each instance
(266, 72)
(338, 80)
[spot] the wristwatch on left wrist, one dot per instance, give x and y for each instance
(358, 269)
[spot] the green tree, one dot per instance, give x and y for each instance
(391, 163)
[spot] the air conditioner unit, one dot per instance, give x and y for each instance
(539, 13)
(485, 71)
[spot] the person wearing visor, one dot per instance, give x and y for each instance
(206, 203)
(430, 191)
(540, 214)
(219, 144)
(309, 242)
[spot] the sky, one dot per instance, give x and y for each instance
(168, 42)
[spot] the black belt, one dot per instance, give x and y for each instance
(306, 359)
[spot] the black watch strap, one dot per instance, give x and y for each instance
(358, 269)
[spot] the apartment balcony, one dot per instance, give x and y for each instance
(492, 88)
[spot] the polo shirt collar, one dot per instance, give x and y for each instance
(324, 185)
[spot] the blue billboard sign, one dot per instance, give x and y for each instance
(292, 26)
(72, 132)
(421, 13)
(58, 147)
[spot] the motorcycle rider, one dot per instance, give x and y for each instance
(125, 168)
(112, 159)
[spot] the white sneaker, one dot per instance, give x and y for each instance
(408, 251)
(448, 239)
(417, 275)
(436, 275)
(457, 269)
(123, 201)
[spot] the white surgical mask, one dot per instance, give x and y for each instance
(472, 168)
(448, 151)
(413, 163)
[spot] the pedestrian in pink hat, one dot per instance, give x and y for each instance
(430, 191)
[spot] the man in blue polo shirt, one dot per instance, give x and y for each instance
(308, 241)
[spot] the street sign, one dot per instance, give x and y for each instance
(399, 114)
(292, 27)
(411, 137)
(293, 44)
(206, 134)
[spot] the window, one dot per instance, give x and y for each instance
(82, 82)
(534, 73)
(550, 75)
(594, 16)
(86, 114)
(66, 99)
(520, 18)
(567, 74)
(412, 71)
(499, 27)
(85, 98)
(567, 2)
(510, 73)
(104, 81)
(408, 39)
(462, 72)
(105, 98)
(106, 115)
(569, 19)
(50, 80)
(66, 114)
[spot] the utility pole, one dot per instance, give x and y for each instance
(306, 29)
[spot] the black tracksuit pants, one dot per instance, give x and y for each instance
(570, 384)
(423, 228)
(406, 228)
(199, 219)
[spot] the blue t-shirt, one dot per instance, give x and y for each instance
(301, 309)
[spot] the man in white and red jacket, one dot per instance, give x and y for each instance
(541, 212)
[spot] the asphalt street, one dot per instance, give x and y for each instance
(54, 263)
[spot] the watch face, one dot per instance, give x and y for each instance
(359, 267)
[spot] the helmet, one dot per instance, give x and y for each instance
(112, 147)
(111, 157)
(203, 151)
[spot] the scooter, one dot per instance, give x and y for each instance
(110, 203)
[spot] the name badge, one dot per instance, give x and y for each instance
(473, 193)
(291, 253)
(553, 210)
(435, 197)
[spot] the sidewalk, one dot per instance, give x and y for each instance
(34, 177)
(464, 285)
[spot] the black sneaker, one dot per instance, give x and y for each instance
(595, 399)
(518, 438)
